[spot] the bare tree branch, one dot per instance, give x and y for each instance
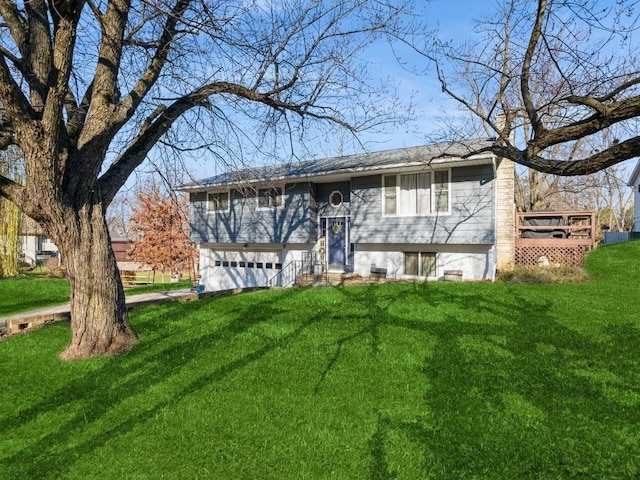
(161, 120)
(12, 191)
(157, 63)
(16, 23)
(573, 85)
(16, 106)
(536, 33)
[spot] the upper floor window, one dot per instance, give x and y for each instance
(269, 197)
(335, 199)
(413, 194)
(218, 202)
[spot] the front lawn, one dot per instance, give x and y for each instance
(435, 380)
(33, 291)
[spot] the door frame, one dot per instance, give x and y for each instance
(325, 219)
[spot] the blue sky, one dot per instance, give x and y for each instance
(454, 20)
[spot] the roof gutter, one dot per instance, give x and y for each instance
(482, 159)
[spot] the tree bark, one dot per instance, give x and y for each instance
(99, 317)
(69, 123)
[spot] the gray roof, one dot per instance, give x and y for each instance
(436, 153)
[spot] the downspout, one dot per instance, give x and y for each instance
(494, 248)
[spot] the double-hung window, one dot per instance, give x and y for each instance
(412, 194)
(218, 202)
(269, 197)
(420, 264)
(441, 190)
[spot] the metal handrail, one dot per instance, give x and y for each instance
(309, 259)
(289, 269)
(309, 265)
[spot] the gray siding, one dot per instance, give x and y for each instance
(295, 222)
(471, 219)
(325, 209)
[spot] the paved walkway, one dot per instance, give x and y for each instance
(36, 318)
(31, 319)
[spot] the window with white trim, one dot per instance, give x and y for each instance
(218, 202)
(412, 194)
(441, 190)
(269, 197)
(420, 264)
(335, 199)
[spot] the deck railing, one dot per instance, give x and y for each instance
(577, 227)
(559, 237)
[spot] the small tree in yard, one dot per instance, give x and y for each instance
(160, 227)
(87, 89)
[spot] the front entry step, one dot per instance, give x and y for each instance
(327, 278)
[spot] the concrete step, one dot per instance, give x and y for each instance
(329, 278)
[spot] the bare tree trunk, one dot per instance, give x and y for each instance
(99, 317)
(72, 126)
(9, 220)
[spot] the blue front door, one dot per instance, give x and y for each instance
(336, 241)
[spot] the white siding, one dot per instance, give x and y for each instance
(230, 267)
(29, 248)
(219, 273)
(476, 262)
(636, 205)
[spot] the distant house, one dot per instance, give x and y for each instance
(121, 248)
(413, 213)
(36, 247)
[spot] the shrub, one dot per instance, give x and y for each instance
(57, 272)
(550, 274)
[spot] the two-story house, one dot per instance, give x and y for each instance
(412, 213)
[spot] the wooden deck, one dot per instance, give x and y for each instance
(559, 237)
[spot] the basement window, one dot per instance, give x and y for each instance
(420, 264)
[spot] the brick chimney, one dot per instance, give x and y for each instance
(505, 209)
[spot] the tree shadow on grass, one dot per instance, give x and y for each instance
(512, 391)
(92, 396)
(522, 397)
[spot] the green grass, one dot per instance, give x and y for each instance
(33, 291)
(437, 380)
(158, 287)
